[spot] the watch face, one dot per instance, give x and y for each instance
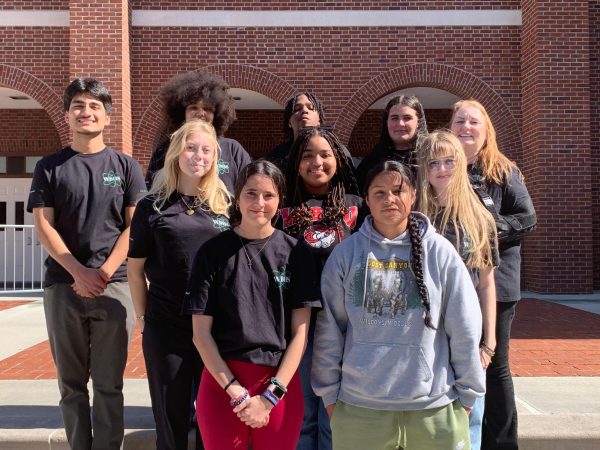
(278, 392)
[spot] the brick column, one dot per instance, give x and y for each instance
(595, 136)
(99, 47)
(555, 62)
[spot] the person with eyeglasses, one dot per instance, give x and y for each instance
(448, 200)
(499, 184)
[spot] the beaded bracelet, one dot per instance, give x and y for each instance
(488, 351)
(237, 401)
(270, 397)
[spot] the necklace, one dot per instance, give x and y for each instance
(191, 209)
(257, 253)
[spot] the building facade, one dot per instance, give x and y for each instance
(533, 64)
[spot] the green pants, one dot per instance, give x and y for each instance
(355, 428)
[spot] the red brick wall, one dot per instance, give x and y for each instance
(100, 48)
(319, 59)
(594, 128)
(557, 161)
(257, 130)
(27, 132)
(35, 4)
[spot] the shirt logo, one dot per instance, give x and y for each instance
(220, 223)
(111, 179)
(222, 166)
(319, 236)
(282, 278)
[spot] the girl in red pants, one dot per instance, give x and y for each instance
(251, 291)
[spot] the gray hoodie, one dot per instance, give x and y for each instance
(372, 348)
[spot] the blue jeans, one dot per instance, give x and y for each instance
(500, 416)
(315, 433)
(475, 422)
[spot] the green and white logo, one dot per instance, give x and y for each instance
(111, 179)
(221, 223)
(222, 166)
(282, 278)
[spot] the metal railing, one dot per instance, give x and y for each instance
(21, 260)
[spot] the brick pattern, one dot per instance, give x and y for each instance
(271, 60)
(99, 47)
(559, 256)
(35, 4)
(594, 126)
(27, 132)
(325, 5)
(551, 340)
(257, 130)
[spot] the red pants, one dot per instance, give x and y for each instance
(221, 429)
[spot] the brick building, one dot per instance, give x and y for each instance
(533, 64)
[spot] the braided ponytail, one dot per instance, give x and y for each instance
(417, 265)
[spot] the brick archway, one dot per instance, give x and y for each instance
(14, 78)
(457, 81)
(236, 75)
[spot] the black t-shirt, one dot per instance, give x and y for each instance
(232, 160)
(320, 238)
(251, 306)
(464, 244)
(89, 194)
(407, 157)
(169, 240)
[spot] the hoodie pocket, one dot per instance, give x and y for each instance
(387, 371)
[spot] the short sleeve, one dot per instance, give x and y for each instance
(305, 289)
(40, 194)
(201, 292)
(136, 185)
(140, 234)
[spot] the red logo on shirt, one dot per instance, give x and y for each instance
(317, 212)
(319, 236)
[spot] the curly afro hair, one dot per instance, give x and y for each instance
(187, 88)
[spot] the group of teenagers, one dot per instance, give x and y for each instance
(304, 303)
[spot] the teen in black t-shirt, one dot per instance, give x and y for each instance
(323, 208)
(187, 205)
(403, 124)
(201, 96)
(250, 294)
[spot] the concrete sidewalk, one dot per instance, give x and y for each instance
(554, 412)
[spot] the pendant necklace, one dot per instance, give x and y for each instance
(257, 253)
(191, 209)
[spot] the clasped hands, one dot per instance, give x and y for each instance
(254, 412)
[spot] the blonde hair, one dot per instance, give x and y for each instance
(494, 165)
(211, 190)
(463, 211)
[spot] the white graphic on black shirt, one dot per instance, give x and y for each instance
(320, 236)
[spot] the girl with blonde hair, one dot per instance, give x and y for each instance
(187, 205)
(447, 199)
(499, 184)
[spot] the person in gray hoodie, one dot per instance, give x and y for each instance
(396, 351)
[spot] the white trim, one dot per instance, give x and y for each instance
(34, 18)
(310, 18)
(330, 18)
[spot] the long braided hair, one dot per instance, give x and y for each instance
(342, 183)
(414, 230)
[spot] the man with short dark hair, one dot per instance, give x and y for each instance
(82, 199)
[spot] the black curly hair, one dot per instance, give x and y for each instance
(343, 182)
(187, 88)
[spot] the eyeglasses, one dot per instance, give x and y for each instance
(437, 164)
